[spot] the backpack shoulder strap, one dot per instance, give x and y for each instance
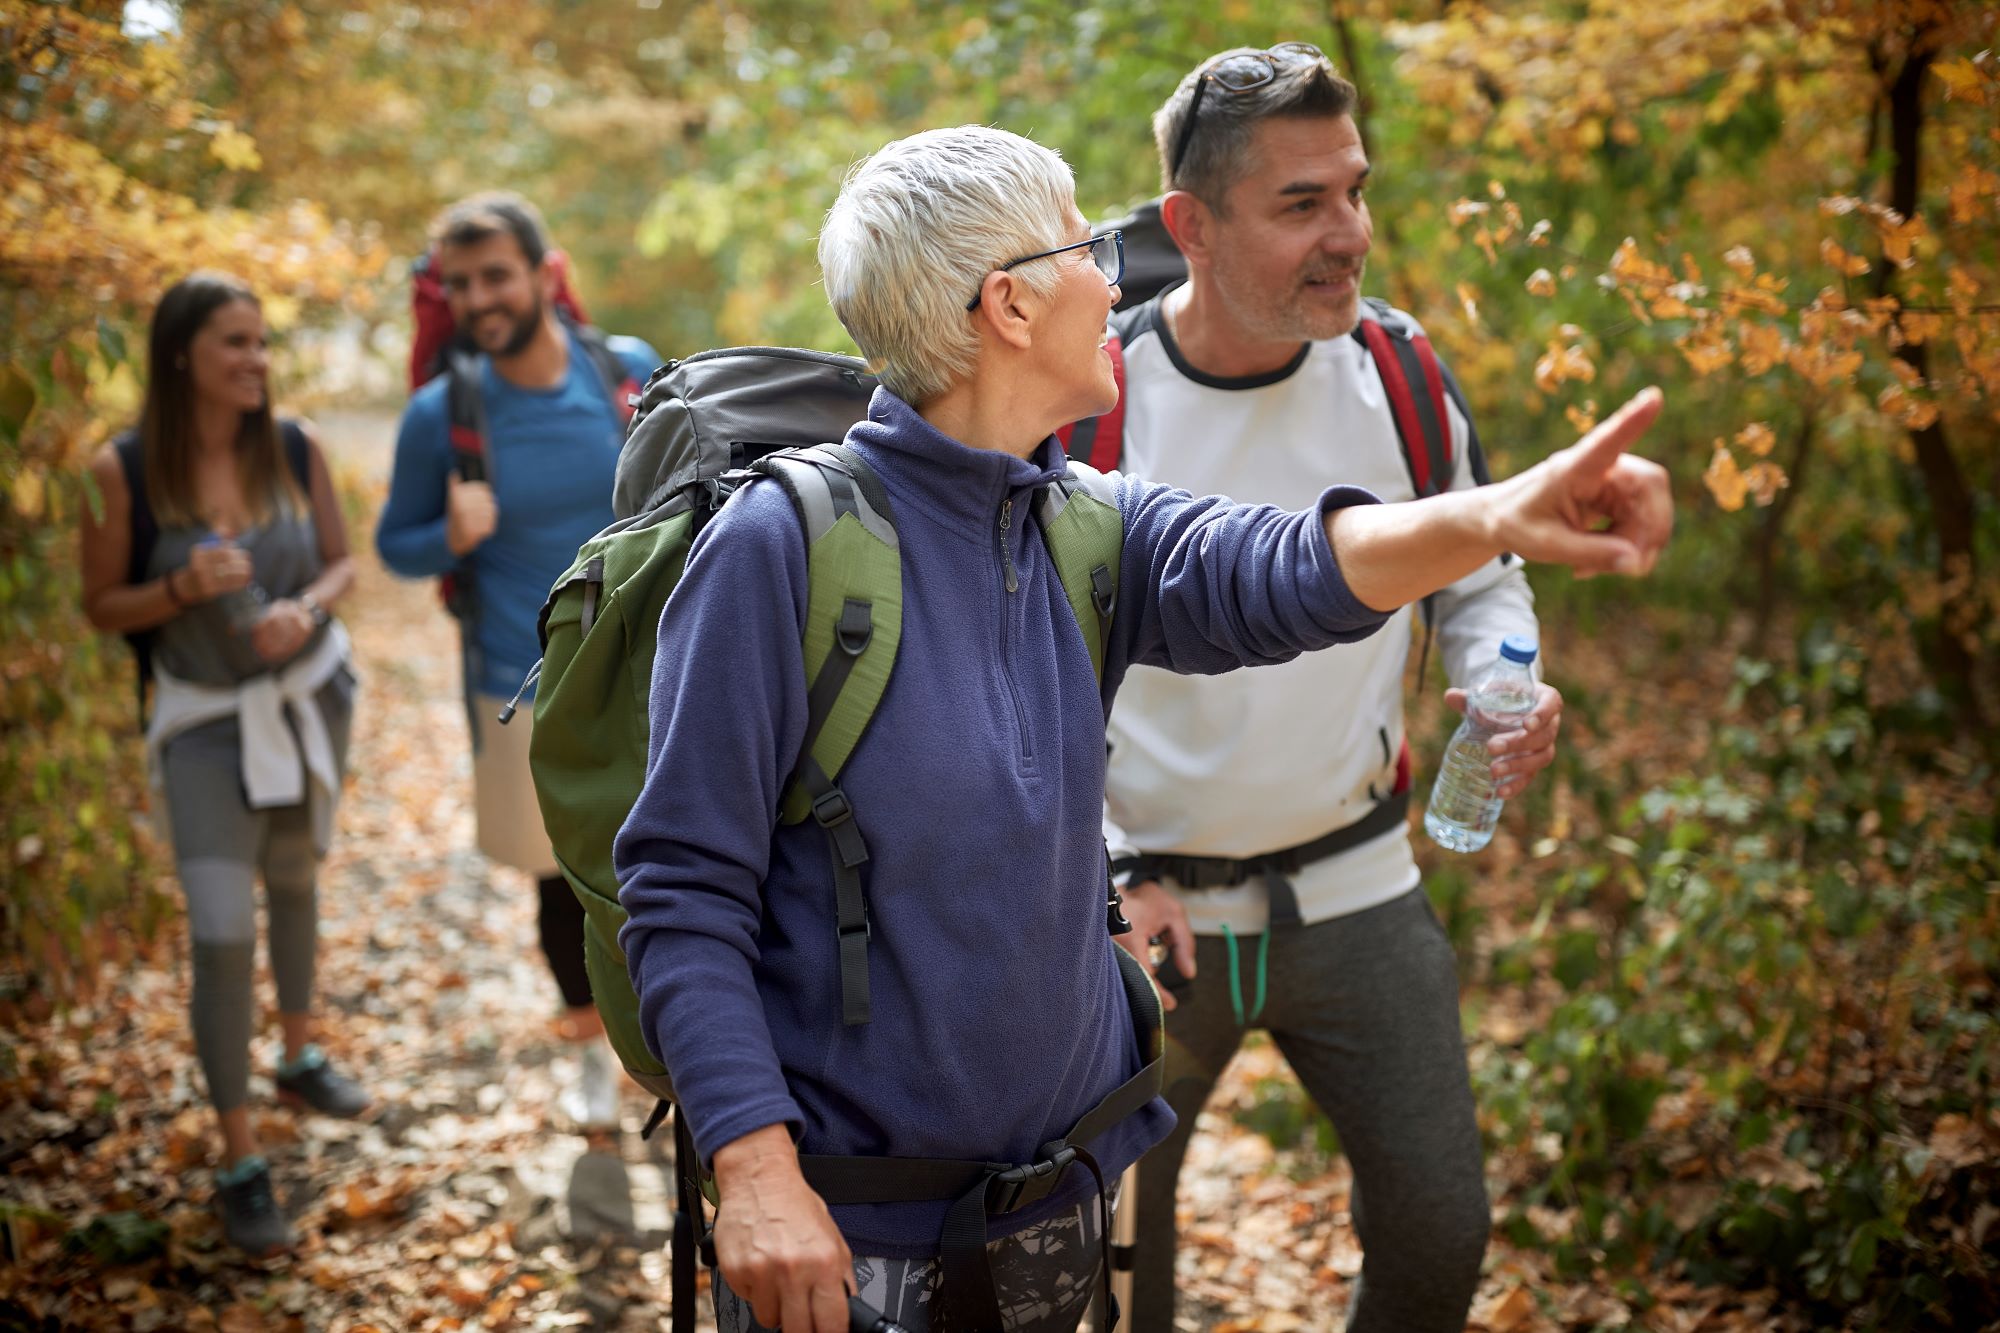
(298, 454)
(465, 415)
(143, 526)
(1085, 534)
(1100, 441)
(621, 386)
(1415, 384)
(144, 529)
(854, 621)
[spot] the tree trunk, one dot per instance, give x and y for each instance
(1951, 512)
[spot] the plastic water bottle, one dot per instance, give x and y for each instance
(1463, 810)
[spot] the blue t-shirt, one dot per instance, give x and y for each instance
(551, 458)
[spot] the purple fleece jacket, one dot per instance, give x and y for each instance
(999, 1017)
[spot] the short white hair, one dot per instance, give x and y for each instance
(915, 231)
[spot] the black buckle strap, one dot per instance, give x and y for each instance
(1221, 872)
(835, 815)
(1031, 1182)
(855, 628)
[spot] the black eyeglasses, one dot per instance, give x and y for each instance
(1239, 74)
(1107, 251)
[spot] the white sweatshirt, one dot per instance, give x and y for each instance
(1256, 761)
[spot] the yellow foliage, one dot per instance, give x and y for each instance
(1762, 347)
(1706, 348)
(1757, 438)
(1963, 81)
(1764, 480)
(235, 149)
(1468, 301)
(1906, 409)
(1559, 364)
(1842, 262)
(1725, 480)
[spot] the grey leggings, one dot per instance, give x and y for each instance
(1046, 1276)
(1365, 1009)
(220, 845)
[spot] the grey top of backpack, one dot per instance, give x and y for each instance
(720, 411)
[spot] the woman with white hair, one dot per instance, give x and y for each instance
(960, 264)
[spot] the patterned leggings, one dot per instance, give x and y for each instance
(1046, 1276)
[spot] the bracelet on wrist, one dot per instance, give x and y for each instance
(318, 614)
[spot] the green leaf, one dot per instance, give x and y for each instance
(111, 343)
(120, 1238)
(17, 401)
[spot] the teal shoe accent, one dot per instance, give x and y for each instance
(312, 1057)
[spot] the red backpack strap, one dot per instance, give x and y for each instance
(1100, 441)
(1414, 382)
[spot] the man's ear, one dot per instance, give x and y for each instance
(549, 276)
(1008, 308)
(1191, 224)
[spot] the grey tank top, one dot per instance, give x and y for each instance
(198, 645)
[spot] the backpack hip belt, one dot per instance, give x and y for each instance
(981, 1190)
(1203, 873)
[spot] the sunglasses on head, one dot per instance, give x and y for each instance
(1239, 73)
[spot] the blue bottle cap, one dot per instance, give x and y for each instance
(1518, 648)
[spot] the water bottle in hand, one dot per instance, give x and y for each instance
(244, 607)
(1463, 810)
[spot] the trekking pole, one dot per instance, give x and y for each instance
(1124, 1237)
(865, 1318)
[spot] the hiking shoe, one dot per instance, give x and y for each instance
(251, 1219)
(312, 1081)
(592, 1101)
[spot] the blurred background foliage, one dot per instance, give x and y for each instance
(1731, 966)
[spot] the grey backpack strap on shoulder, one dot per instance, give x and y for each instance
(854, 620)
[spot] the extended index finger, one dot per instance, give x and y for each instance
(1597, 451)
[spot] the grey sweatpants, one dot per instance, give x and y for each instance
(220, 846)
(1365, 1009)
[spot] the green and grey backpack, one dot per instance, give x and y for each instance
(704, 427)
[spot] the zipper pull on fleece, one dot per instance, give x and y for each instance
(1006, 552)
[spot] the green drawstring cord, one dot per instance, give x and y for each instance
(1236, 976)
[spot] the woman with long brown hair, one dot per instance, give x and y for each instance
(219, 552)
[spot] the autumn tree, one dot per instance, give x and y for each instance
(117, 183)
(1806, 195)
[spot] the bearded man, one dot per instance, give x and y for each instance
(535, 401)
